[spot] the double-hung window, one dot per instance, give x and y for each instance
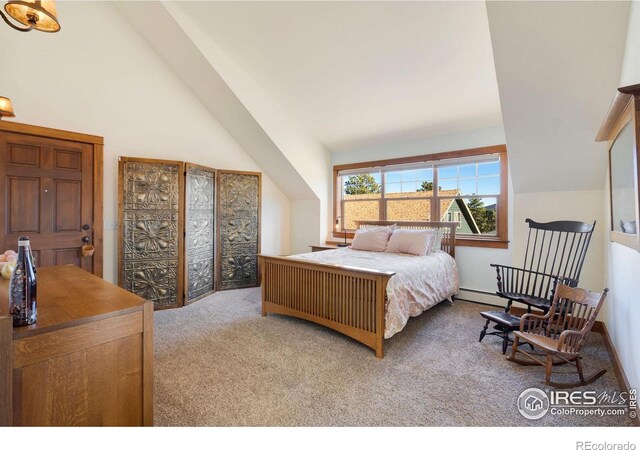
(468, 187)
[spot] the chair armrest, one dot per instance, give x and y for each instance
(572, 282)
(571, 339)
(528, 282)
(532, 323)
(519, 269)
(524, 282)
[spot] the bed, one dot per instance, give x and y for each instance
(354, 292)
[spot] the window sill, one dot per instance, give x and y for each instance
(486, 243)
(460, 241)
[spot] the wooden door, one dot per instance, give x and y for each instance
(200, 232)
(238, 210)
(47, 195)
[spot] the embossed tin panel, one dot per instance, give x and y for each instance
(200, 231)
(239, 197)
(150, 231)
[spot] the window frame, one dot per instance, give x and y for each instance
(500, 240)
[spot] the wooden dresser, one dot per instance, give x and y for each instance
(88, 361)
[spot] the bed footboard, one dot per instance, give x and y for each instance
(348, 300)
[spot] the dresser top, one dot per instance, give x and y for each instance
(69, 296)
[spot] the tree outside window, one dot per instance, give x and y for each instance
(363, 183)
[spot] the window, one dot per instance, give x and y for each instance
(471, 190)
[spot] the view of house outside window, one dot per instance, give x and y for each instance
(468, 192)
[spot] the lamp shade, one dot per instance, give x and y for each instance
(39, 14)
(6, 109)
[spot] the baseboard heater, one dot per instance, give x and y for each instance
(477, 291)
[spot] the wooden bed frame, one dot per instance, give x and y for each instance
(347, 299)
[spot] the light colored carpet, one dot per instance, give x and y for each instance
(218, 362)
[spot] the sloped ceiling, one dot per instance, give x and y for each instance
(361, 74)
(356, 74)
(159, 28)
(558, 66)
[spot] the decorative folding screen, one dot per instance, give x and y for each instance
(200, 231)
(168, 206)
(151, 228)
(239, 201)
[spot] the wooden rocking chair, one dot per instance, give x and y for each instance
(561, 332)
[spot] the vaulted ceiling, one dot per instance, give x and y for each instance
(358, 73)
(351, 75)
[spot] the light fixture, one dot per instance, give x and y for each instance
(38, 15)
(6, 109)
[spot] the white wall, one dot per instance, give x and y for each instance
(623, 309)
(99, 77)
(473, 262)
(623, 264)
(304, 220)
(631, 63)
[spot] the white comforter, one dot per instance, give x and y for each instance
(419, 283)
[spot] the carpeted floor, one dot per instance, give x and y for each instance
(218, 362)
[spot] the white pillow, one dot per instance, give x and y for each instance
(414, 242)
(628, 227)
(371, 240)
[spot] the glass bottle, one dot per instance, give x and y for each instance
(23, 287)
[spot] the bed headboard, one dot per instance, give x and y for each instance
(448, 230)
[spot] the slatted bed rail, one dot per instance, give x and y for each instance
(346, 299)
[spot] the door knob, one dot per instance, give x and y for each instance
(86, 239)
